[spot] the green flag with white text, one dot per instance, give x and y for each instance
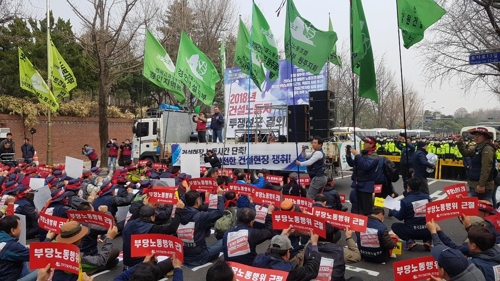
(243, 57)
(415, 16)
(159, 68)
(362, 54)
(62, 78)
(32, 81)
(306, 46)
(223, 58)
(264, 44)
(334, 58)
(196, 71)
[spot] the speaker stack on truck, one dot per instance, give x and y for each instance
(298, 123)
(322, 113)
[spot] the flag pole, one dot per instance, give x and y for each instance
(49, 113)
(352, 84)
(402, 84)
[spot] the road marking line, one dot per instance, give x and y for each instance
(100, 273)
(434, 181)
(201, 266)
(451, 181)
(359, 269)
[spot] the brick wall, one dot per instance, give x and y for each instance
(69, 134)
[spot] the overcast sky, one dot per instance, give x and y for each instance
(382, 23)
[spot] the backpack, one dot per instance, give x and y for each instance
(226, 222)
(391, 171)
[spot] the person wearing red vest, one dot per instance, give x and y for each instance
(126, 152)
(201, 126)
(91, 154)
(489, 214)
(112, 154)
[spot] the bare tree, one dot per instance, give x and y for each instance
(110, 32)
(461, 113)
(9, 10)
(468, 26)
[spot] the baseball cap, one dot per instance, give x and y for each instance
(147, 211)
(451, 260)
(370, 140)
(281, 243)
(486, 206)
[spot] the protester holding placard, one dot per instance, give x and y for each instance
(375, 244)
(288, 206)
(412, 212)
(239, 243)
(26, 206)
(193, 229)
(364, 174)
(144, 225)
(56, 206)
(332, 265)
(14, 255)
(452, 264)
(278, 257)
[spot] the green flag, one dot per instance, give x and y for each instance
(242, 57)
(306, 46)
(415, 16)
(264, 44)
(31, 80)
(223, 58)
(333, 55)
(159, 68)
(62, 78)
(196, 71)
(361, 52)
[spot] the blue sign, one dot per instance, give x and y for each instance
(428, 121)
(484, 58)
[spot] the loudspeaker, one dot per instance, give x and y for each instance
(321, 105)
(299, 109)
(282, 138)
(324, 134)
(321, 95)
(321, 114)
(301, 121)
(302, 136)
(323, 124)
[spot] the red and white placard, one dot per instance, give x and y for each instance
(244, 272)
(450, 208)
(92, 217)
(61, 256)
(457, 190)
(161, 244)
(267, 196)
(51, 223)
(415, 269)
(299, 221)
(303, 202)
(203, 184)
(342, 198)
(242, 189)
(274, 179)
(163, 195)
(342, 219)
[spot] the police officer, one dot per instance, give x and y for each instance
(315, 166)
(375, 243)
(482, 171)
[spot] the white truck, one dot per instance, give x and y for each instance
(170, 134)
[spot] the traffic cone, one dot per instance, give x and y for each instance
(35, 159)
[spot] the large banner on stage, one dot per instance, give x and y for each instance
(279, 92)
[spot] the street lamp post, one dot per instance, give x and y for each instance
(423, 112)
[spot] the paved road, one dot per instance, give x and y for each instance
(363, 269)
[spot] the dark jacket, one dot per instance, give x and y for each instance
(213, 160)
(365, 170)
(486, 260)
(12, 256)
(375, 243)
(331, 251)
(306, 272)
(215, 124)
(137, 226)
(332, 198)
(60, 275)
(407, 212)
(407, 151)
(28, 151)
(255, 237)
(113, 202)
(420, 163)
(26, 207)
(202, 220)
(294, 189)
